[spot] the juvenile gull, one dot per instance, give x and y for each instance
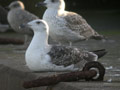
(40, 56)
(66, 26)
(18, 15)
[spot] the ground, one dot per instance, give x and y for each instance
(13, 70)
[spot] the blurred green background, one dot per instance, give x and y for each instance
(102, 15)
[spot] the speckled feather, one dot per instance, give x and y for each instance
(67, 26)
(40, 56)
(78, 24)
(66, 55)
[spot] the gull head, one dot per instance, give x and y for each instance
(37, 25)
(16, 4)
(55, 4)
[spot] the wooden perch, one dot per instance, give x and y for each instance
(68, 77)
(11, 41)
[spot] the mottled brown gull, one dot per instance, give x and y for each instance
(18, 15)
(40, 56)
(66, 26)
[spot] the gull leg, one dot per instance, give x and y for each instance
(59, 43)
(70, 44)
(26, 38)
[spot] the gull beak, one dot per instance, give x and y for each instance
(7, 8)
(40, 4)
(23, 26)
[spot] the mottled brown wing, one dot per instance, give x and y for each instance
(78, 24)
(64, 55)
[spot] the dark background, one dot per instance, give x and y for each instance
(81, 4)
(102, 15)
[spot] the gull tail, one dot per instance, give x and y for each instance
(100, 37)
(97, 36)
(100, 53)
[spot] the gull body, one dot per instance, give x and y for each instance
(66, 26)
(40, 56)
(17, 16)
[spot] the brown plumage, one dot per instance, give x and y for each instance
(18, 15)
(78, 24)
(66, 55)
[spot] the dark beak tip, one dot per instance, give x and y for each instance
(40, 4)
(21, 26)
(7, 8)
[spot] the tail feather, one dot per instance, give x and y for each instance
(97, 36)
(100, 53)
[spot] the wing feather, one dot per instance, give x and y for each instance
(17, 17)
(78, 24)
(63, 55)
(26, 16)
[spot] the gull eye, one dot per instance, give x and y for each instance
(16, 5)
(38, 22)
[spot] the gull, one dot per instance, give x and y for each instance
(41, 56)
(66, 26)
(17, 16)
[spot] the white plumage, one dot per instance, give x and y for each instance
(40, 56)
(66, 26)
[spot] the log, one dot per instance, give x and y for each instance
(5, 41)
(101, 70)
(67, 77)
(86, 74)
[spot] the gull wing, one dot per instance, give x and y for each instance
(26, 16)
(78, 24)
(64, 55)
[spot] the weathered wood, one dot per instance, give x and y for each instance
(11, 41)
(67, 77)
(88, 73)
(95, 65)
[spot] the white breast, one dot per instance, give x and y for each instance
(37, 60)
(55, 24)
(58, 30)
